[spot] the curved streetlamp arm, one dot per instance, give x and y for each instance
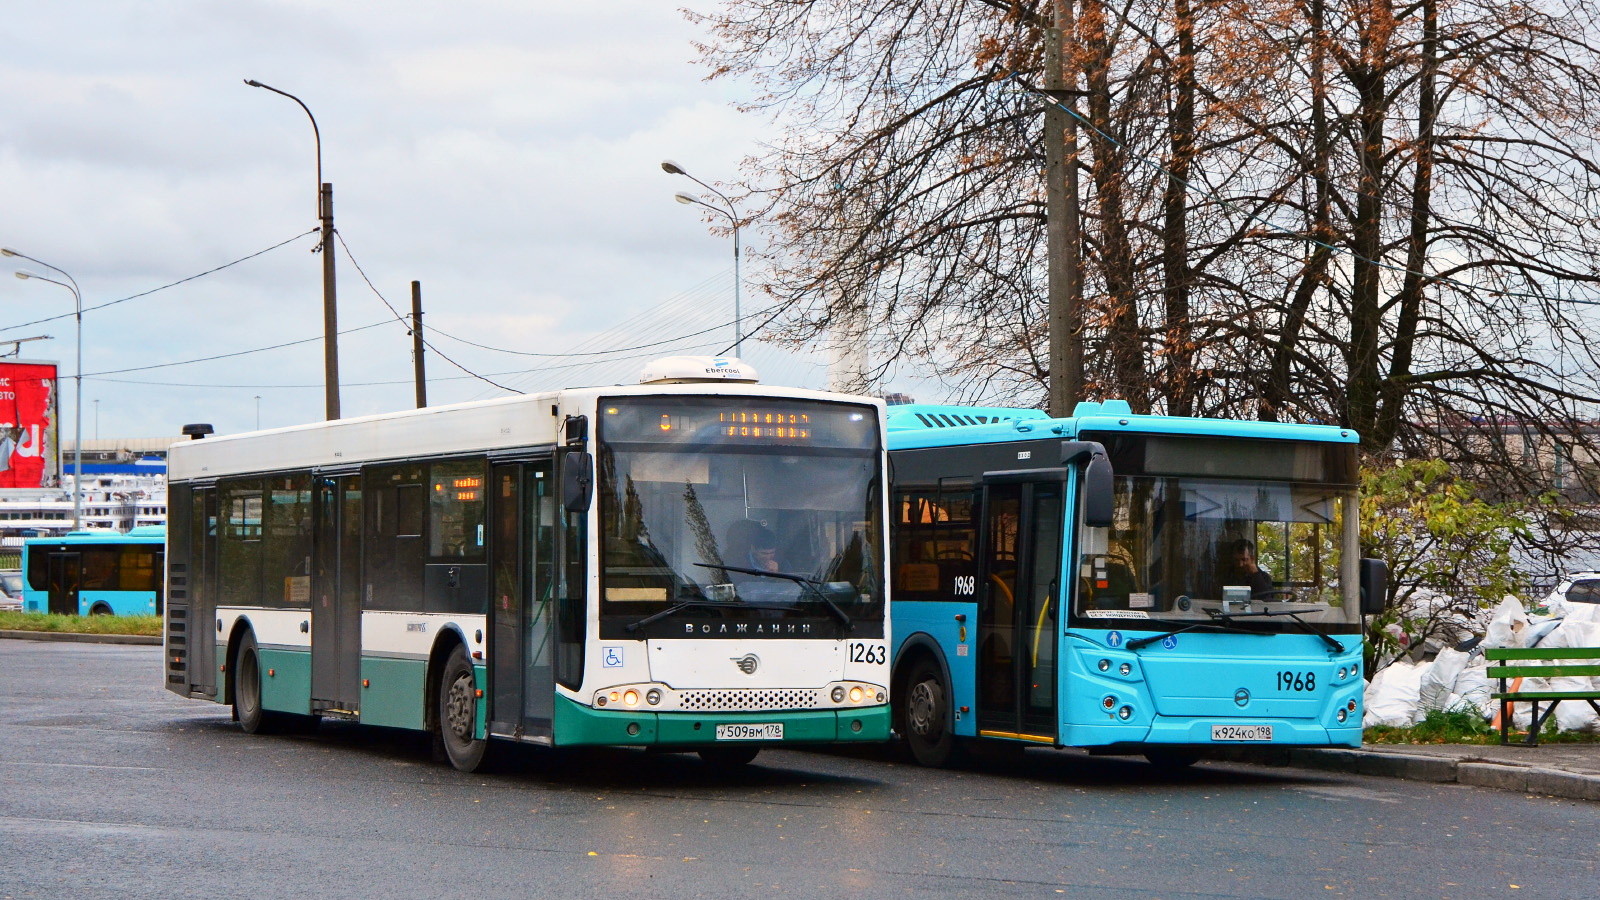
(35, 276)
(315, 132)
(734, 213)
(73, 287)
(719, 211)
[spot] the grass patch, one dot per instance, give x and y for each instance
(24, 621)
(1459, 726)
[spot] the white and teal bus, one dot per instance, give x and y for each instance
(693, 563)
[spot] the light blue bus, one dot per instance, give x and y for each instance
(88, 573)
(1130, 584)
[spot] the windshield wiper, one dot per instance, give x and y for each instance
(1333, 645)
(801, 580)
(678, 607)
(1196, 626)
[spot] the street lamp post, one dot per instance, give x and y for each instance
(672, 168)
(330, 318)
(77, 428)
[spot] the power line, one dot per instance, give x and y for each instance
(164, 286)
(674, 340)
(227, 355)
(199, 384)
(401, 319)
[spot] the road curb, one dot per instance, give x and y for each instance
(1522, 779)
(80, 638)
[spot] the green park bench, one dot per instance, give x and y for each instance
(1541, 669)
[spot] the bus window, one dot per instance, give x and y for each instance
(456, 505)
(933, 550)
(239, 553)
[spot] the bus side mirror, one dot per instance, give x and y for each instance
(1098, 500)
(577, 481)
(1374, 586)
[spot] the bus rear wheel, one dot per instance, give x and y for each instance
(458, 714)
(99, 609)
(730, 757)
(247, 688)
(925, 716)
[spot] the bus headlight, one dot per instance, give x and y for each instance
(855, 695)
(653, 696)
(838, 693)
(631, 698)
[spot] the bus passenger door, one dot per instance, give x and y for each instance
(1018, 609)
(506, 607)
(521, 633)
(336, 595)
(539, 520)
(66, 570)
(203, 632)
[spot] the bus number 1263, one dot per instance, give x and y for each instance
(874, 654)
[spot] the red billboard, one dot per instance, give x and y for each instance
(30, 451)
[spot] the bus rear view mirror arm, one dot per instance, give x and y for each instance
(1098, 499)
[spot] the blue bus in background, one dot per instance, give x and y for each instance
(96, 572)
(1130, 584)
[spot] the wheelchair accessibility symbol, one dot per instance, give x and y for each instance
(1170, 642)
(613, 658)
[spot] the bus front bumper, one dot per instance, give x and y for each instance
(1195, 731)
(578, 725)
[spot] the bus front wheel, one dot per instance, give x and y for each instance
(926, 717)
(458, 714)
(100, 609)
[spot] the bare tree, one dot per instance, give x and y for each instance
(1348, 211)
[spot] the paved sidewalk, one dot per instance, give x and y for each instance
(77, 637)
(1557, 770)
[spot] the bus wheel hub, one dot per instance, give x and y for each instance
(460, 709)
(924, 711)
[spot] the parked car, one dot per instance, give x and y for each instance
(1580, 587)
(11, 589)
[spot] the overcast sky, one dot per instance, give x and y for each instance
(504, 154)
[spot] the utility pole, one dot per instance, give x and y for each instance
(330, 317)
(330, 306)
(416, 343)
(1061, 210)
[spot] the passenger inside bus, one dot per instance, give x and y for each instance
(752, 545)
(1248, 571)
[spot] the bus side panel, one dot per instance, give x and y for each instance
(937, 621)
(286, 680)
(392, 691)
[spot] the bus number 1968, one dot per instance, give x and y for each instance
(966, 585)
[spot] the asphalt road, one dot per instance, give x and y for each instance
(111, 787)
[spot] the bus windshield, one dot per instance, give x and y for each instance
(1236, 551)
(742, 519)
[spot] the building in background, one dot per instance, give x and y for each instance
(124, 486)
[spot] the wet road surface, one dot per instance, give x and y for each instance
(112, 787)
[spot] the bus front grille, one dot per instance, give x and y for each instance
(748, 699)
